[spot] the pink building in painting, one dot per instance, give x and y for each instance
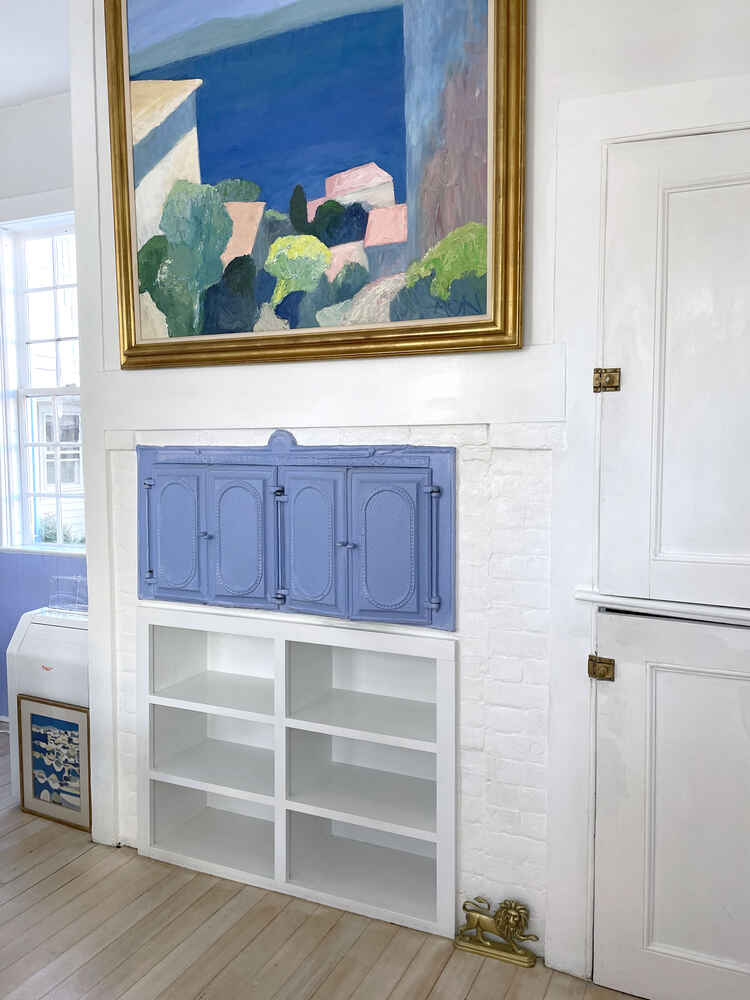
(246, 218)
(386, 240)
(368, 184)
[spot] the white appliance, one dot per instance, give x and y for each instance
(48, 658)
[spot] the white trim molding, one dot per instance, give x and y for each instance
(713, 613)
(586, 129)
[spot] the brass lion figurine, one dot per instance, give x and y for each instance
(509, 922)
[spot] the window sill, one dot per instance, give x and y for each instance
(46, 550)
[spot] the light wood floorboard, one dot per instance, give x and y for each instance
(80, 921)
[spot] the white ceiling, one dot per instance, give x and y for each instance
(34, 58)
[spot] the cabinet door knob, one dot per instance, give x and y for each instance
(346, 545)
(205, 534)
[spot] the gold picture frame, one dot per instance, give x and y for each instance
(500, 329)
(73, 804)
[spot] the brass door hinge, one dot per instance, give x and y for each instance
(607, 379)
(601, 668)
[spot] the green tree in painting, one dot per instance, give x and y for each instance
(450, 280)
(298, 263)
(175, 268)
(462, 252)
(236, 189)
(298, 211)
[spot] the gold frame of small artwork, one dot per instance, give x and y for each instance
(502, 330)
(84, 712)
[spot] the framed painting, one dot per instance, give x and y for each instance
(303, 179)
(53, 753)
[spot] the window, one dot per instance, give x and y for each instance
(44, 474)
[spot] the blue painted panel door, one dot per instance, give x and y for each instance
(241, 536)
(389, 527)
(314, 540)
(177, 555)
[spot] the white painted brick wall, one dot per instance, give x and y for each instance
(503, 621)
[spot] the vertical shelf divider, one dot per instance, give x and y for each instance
(280, 768)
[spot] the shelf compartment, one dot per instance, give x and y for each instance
(357, 863)
(213, 829)
(363, 781)
(229, 674)
(351, 690)
(201, 749)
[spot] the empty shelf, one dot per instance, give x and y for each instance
(229, 765)
(214, 688)
(218, 837)
(395, 799)
(395, 880)
(372, 713)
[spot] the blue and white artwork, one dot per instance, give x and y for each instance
(56, 761)
(306, 164)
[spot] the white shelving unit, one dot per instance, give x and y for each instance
(314, 759)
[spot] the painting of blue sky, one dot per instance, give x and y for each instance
(301, 164)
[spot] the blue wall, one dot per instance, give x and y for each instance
(25, 585)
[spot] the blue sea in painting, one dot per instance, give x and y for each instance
(296, 107)
(56, 761)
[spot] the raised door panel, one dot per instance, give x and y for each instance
(177, 558)
(242, 536)
(389, 529)
(314, 552)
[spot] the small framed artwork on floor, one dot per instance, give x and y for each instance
(53, 750)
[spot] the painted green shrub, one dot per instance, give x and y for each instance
(236, 189)
(166, 273)
(175, 268)
(460, 253)
(298, 263)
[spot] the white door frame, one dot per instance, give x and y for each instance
(586, 129)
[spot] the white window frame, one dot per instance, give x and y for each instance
(17, 529)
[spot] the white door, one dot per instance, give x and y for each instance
(672, 887)
(675, 441)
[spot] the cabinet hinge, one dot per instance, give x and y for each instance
(434, 604)
(601, 668)
(279, 495)
(607, 379)
(280, 596)
(433, 490)
(148, 483)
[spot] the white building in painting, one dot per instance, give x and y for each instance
(165, 150)
(165, 146)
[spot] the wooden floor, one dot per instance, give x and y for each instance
(82, 920)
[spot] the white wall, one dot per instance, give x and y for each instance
(505, 412)
(36, 158)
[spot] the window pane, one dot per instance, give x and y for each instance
(40, 424)
(42, 365)
(40, 309)
(43, 519)
(41, 470)
(69, 372)
(67, 312)
(38, 254)
(71, 479)
(65, 259)
(73, 523)
(69, 418)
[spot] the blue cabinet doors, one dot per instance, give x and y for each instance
(390, 535)
(366, 533)
(176, 553)
(314, 540)
(240, 536)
